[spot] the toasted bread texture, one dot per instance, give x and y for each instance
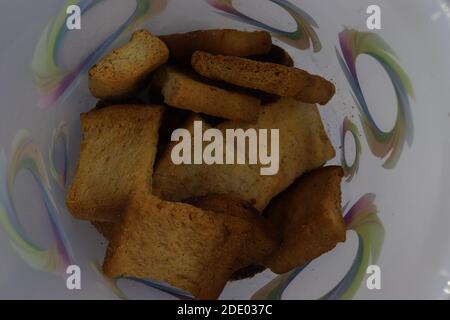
(225, 41)
(116, 157)
(268, 77)
(303, 146)
(189, 248)
(263, 239)
(309, 216)
(121, 72)
(182, 90)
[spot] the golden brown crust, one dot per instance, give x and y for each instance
(225, 41)
(121, 72)
(116, 157)
(183, 91)
(309, 217)
(187, 247)
(268, 77)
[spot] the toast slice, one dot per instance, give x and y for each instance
(187, 247)
(268, 77)
(309, 216)
(303, 146)
(222, 41)
(116, 156)
(183, 91)
(122, 71)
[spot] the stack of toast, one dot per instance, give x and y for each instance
(196, 227)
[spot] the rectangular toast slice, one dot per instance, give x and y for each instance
(268, 77)
(186, 247)
(116, 157)
(309, 217)
(183, 91)
(121, 72)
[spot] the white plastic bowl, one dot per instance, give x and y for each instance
(389, 121)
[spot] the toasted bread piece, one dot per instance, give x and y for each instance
(276, 55)
(264, 238)
(226, 41)
(106, 229)
(268, 77)
(121, 72)
(116, 156)
(304, 146)
(187, 247)
(182, 90)
(309, 216)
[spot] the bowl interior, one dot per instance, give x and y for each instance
(388, 122)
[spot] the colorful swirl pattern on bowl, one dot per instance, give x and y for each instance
(384, 145)
(25, 155)
(350, 170)
(60, 133)
(51, 79)
(363, 219)
(301, 38)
